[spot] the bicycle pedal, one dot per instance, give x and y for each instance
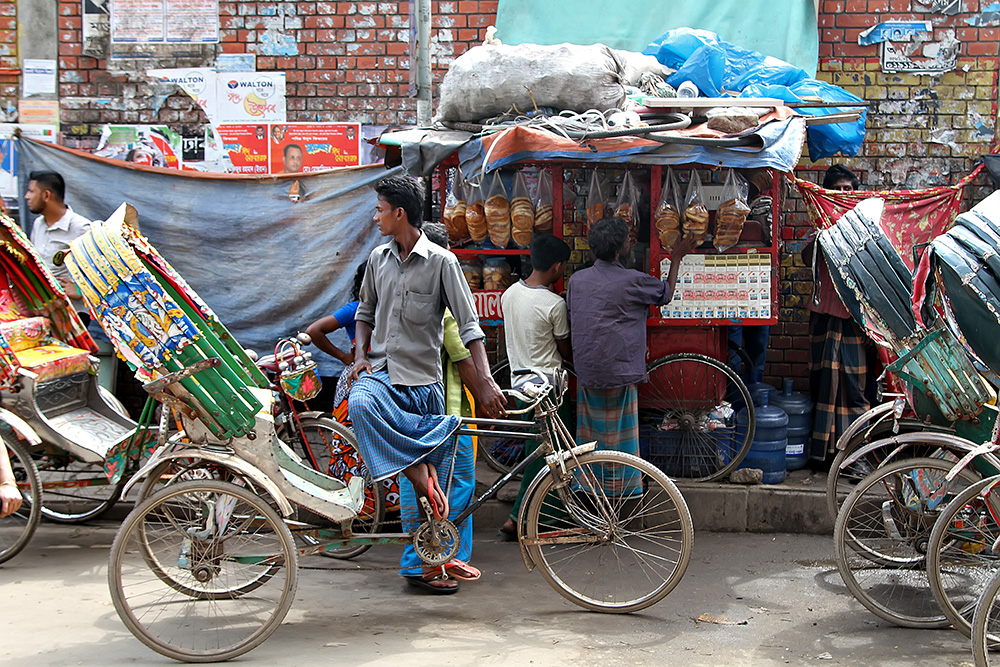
(572, 451)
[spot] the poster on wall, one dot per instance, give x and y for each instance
(297, 147)
(96, 27)
(8, 153)
(151, 145)
(164, 21)
(246, 146)
(250, 97)
(197, 82)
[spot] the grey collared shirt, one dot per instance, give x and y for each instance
(404, 302)
(50, 239)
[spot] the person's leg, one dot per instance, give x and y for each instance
(755, 341)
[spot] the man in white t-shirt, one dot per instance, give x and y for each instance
(536, 330)
(536, 322)
(54, 229)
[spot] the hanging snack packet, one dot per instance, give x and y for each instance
(732, 212)
(475, 215)
(627, 207)
(667, 217)
(543, 203)
(454, 211)
(522, 213)
(695, 215)
(595, 200)
(498, 213)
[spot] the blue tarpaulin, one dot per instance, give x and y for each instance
(266, 265)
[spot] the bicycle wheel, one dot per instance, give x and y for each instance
(687, 424)
(220, 542)
(840, 483)
(73, 491)
(986, 623)
(960, 558)
(322, 434)
(617, 537)
(881, 538)
(16, 530)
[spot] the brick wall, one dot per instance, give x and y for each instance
(352, 65)
(9, 62)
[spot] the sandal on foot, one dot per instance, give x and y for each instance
(461, 570)
(425, 583)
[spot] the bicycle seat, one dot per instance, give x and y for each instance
(533, 382)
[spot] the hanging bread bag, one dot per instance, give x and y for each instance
(475, 215)
(695, 214)
(667, 217)
(595, 200)
(732, 211)
(522, 213)
(627, 206)
(543, 203)
(498, 213)
(454, 211)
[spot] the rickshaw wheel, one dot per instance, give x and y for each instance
(960, 558)
(616, 537)
(986, 623)
(880, 538)
(16, 530)
(220, 542)
(86, 494)
(688, 424)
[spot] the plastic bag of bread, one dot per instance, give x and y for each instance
(667, 217)
(453, 215)
(522, 213)
(627, 206)
(694, 217)
(543, 203)
(475, 215)
(498, 213)
(595, 200)
(732, 211)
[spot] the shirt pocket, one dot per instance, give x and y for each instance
(421, 308)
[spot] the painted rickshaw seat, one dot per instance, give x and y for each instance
(164, 330)
(33, 345)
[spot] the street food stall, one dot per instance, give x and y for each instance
(525, 180)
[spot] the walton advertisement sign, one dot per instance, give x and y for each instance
(250, 97)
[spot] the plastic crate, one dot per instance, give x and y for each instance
(669, 450)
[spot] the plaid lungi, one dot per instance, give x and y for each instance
(610, 416)
(398, 426)
(837, 376)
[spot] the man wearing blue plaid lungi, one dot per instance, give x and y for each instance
(397, 401)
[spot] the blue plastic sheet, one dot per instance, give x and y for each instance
(720, 68)
(267, 266)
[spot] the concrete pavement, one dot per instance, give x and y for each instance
(782, 591)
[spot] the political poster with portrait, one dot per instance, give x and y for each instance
(250, 97)
(297, 147)
(245, 145)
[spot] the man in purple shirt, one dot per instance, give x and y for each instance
(608, 307)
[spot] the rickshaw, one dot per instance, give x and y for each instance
(60, 425)
(205, 568)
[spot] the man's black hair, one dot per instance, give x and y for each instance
(51, 181)
(839, 172)
(284, 151)
(359, 277)
(436, 233)
(546, 251)
(607, 237)
(405, 193)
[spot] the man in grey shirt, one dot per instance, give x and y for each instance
(397, 401)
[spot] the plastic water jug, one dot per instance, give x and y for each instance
(799, 411)
(767, 451)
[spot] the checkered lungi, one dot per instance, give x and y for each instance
(610, 416)
(837, 376)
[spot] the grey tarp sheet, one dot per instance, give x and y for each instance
(267, 266)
